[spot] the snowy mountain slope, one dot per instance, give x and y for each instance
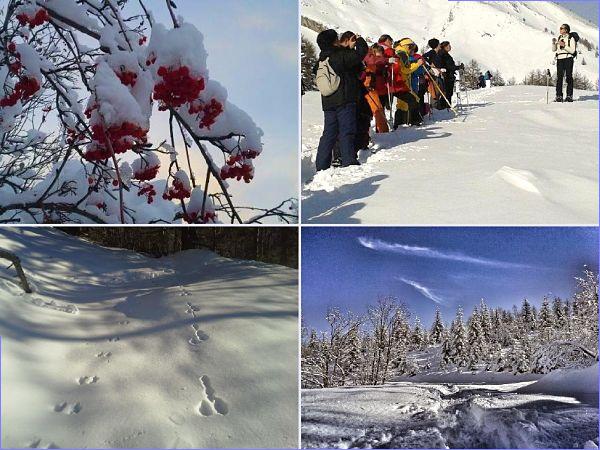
(479, 414)
(508, 36)
(510, 159)
(114, 349)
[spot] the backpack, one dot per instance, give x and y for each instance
(328, 82)
(574, 35)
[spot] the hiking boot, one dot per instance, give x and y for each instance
(337, 162)
(569, 99)
(558, 99)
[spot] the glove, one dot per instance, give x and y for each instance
(443, 70)
(435, 71)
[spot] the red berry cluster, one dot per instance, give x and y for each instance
(121, 137)
(237, 167)
(178, 191)
(142, 40)
(211, 112)
(146, 174)
(243, 170)
(127, 78)
(39, 18)
(15, 67)
(25, 88)
(73, 135)
(193, 217)
(147, 190)
(177, 87)
(151, 59)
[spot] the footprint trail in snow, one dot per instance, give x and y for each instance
(211, 404)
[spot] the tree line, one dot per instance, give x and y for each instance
(277, 245)
(370, 349)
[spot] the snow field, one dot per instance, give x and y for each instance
(509, 158)
(114, 349)
(447, 415)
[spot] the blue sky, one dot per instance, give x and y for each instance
(586, 9)
(252, 50)
(446, 267)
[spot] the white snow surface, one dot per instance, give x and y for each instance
(489, 32)
(581, 381)
(453, 414)
(508, 158)
(116, 349)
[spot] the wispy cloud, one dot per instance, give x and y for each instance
(423, 290)
(426, 252)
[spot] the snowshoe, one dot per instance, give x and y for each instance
(337, 162)
(569, 99)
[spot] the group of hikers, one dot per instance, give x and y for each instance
(359, 83)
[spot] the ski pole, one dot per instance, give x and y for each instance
(440, 91)
(547, 86)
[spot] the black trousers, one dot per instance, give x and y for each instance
(564, 69)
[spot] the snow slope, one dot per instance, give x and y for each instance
(509, 159)
(508, 36)
(115, 349)
(446, 415)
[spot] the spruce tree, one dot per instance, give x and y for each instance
(437, 329)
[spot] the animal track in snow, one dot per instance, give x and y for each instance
(211, 404)
(67, 408)
(104, 355)
(56, 306)
(88, 380)
(38, 443)
(192, 309)
(199, 335)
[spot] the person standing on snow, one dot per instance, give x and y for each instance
(340, 108)
(409, 113)
(375, 83)
(564, 49)
(448, 68)
(488, 79)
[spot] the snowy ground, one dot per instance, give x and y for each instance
(478, 414)
(509, 159)
(114, 349)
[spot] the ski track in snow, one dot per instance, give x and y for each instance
(508, 158)
(424, 415)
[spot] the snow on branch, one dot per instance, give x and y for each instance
(81, 81)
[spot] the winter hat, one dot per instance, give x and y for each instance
(567, 27)
(405, 42)
(433, 43)
(326, 39)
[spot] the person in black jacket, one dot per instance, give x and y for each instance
(448, 68)
(340, 108)
(432, 56)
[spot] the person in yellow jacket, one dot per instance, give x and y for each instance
(408, 101)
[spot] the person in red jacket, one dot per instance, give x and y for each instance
(375, 82)
(393, 79)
